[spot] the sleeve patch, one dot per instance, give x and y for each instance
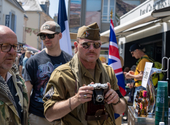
(49, 94)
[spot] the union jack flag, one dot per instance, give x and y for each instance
(114, 61)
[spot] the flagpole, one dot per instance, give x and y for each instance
(111, 14)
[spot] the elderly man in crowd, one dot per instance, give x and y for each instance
(13, 93)
(68, 96)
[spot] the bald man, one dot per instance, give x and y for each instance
(13, 93)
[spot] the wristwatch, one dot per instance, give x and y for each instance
(116, 102)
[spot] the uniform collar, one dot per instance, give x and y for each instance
(85, 72)
(8, 76)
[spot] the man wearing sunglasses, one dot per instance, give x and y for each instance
(68, 94)
(38, 70)
(13, 92)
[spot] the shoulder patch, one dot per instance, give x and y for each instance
(49, 94)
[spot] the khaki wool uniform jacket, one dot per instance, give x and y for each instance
(65, 82)
(8, 112)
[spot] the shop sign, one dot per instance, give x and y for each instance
(146, 74)
(155, 6)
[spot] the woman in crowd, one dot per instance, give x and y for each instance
(27, 56)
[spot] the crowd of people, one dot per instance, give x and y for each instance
(53, 88)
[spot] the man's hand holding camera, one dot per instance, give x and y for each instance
(85, 94)
(111, 96)
(97, 95)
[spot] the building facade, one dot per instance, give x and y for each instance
(12, 15)
(85, 12)
(150, 28)
(37, 12)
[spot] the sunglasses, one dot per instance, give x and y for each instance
(86, 45)
(49, 36)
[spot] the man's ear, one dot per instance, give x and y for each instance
(75, 44)
(60, 35)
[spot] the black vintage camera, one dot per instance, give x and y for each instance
(95, 108)
(99, 92)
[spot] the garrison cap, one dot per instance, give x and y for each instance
(50, 27)
(91, 32)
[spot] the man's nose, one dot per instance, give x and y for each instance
(12, 51)
(91, 46)
(46, 37)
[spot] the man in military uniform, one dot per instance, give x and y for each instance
(68, 95)
(13, 93)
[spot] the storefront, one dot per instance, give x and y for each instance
(149, 25)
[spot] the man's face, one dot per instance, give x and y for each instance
(88, 50)
(7, 58)
(51, 40)
(134, 53)
(28, 54)
(22, 50)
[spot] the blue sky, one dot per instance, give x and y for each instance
(54, 7)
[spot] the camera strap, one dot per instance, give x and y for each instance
(95, 112)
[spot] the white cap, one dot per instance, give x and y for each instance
(161, 123)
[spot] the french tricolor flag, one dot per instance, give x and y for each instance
(65, 42)
(114, 61)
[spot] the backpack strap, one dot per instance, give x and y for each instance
(148, 58)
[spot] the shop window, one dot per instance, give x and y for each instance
(75, 15)
(93, 13)
(10, 21)
(13, 22)
(108, 5)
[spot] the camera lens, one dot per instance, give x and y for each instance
(99, 98)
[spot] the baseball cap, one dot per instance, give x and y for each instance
(134, 47)
(49, 27)
(91, 32)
